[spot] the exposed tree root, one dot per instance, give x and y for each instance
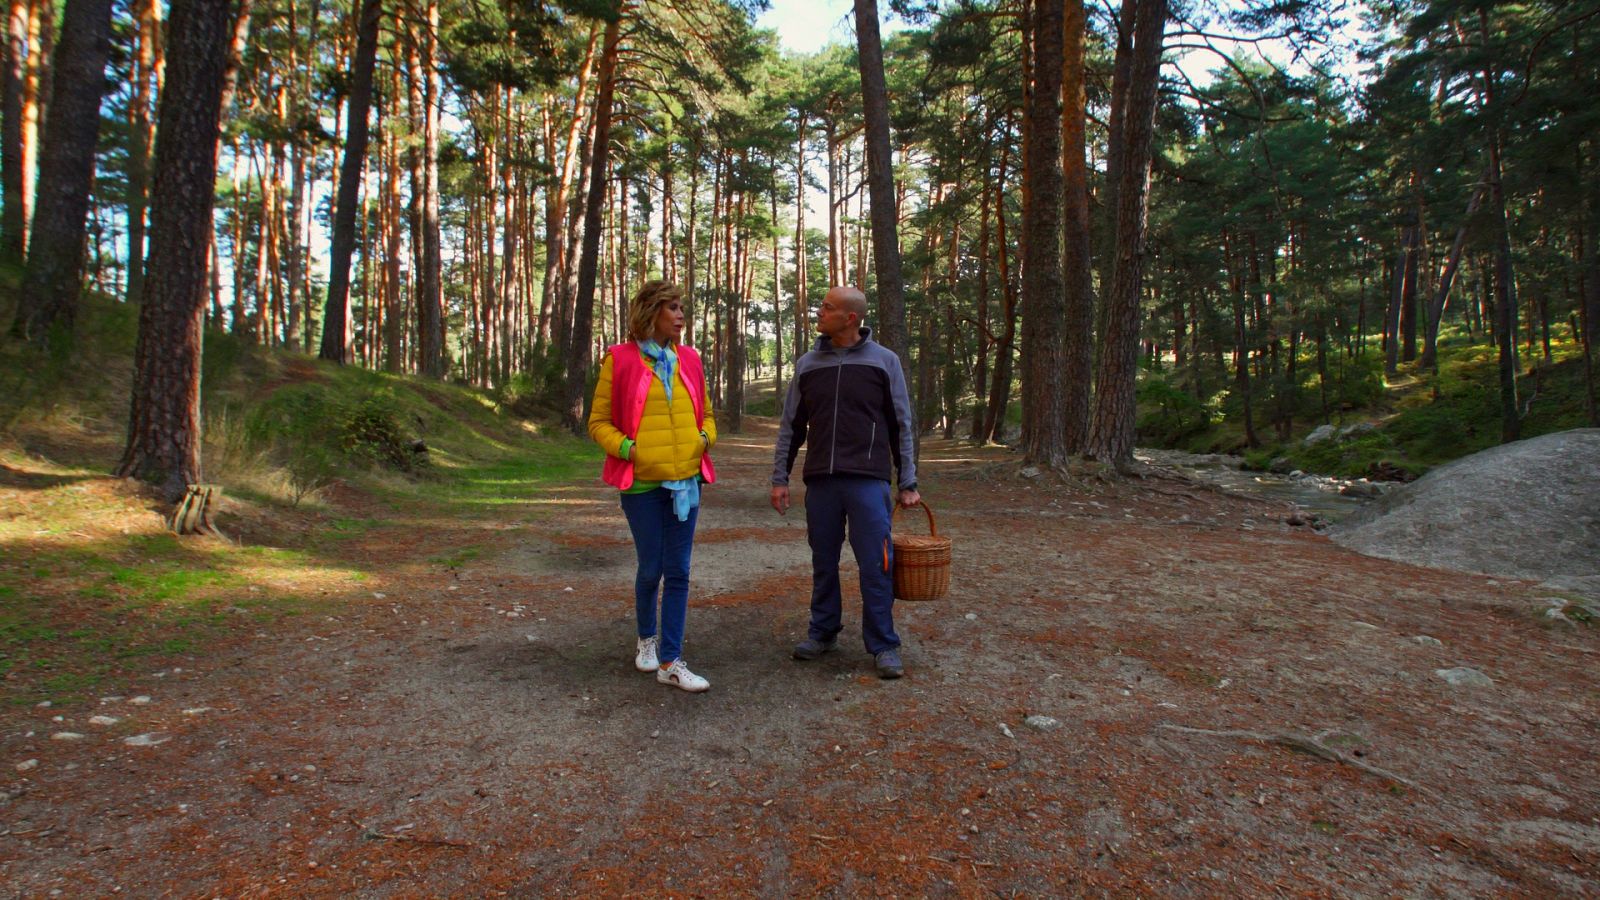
(1302, 744)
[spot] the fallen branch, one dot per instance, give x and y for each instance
(1302, 744)
(372, 834)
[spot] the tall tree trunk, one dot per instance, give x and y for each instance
(393, 323)
(802, 303)
(433, 360)
(147, 25)
(164, 427)
(891, 306)
(1121, 79)
(336, 315)
(1408, 290)
(1077, 375)
(1505, 299)
(36, 93)
(1430, 338)
(579, 350)
(1043, 295)
(1397, 292)
(558, 202)
(980, 370)
(13, 170)
(1000, 386)
(1112, 430)
(53, 280)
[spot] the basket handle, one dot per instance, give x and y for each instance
(932, 530)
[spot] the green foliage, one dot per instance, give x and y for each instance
(293, 426)
(315, 433)
(372, 434)
(1167, 413)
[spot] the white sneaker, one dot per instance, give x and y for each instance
(678, 675)
(644, 658)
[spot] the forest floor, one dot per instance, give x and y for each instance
(1240, 707)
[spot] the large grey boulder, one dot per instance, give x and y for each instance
(1528, 509)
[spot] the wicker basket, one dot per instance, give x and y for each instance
(921, 562)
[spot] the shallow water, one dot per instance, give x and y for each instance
(1316, 494)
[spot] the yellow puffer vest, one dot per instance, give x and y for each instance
(668, 445)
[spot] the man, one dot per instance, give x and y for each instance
(848, 404)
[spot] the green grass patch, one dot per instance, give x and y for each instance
(1418, 421)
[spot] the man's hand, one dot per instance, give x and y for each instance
(910, 498)
(780, 498)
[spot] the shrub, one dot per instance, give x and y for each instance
(293, 427)
(372, 435)
(1167, 413)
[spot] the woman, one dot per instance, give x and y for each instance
(650, 416)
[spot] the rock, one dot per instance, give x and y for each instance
(148, 739)
(1279, 465)
(1322, 433)
(141, 700)
(1529, 509)
(1361, 488)
(1356, 429)
(1041, 723)
(66, 736)
(1427, 641)
(27, 764)
(196, 710)
(1030, 472)
(103, 720)
(1462, 676)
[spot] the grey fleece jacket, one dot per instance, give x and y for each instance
(851, 410)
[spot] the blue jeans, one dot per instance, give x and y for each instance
(664, 545)
(866, 505)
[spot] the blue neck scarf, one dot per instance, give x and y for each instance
(663, 361)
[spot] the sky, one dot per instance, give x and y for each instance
(806, 26)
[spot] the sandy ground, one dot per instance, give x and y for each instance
(1240, 707)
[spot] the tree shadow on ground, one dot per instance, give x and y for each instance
(36, 481)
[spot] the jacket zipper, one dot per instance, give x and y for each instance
(833, 451)
(872, 441)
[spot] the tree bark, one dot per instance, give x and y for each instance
(579, 351)
(1112, 430)
(1430, 339)
(1077, 267)
(891, 306)
(1043, 294)
(147, 24)
(53, 280)
(13, 71)
(433, 360)
(164, 427)
(336, 314)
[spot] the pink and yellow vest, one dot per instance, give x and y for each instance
(630, 385)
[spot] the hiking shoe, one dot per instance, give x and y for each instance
(644, 658)
(888, 663)
(811, 648)
(677, 674)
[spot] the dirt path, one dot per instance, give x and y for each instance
(1241, 707)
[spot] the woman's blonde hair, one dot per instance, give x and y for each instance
(646, 305)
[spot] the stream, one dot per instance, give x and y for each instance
(1329, 499)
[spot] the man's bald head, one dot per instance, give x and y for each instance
(850, 299)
